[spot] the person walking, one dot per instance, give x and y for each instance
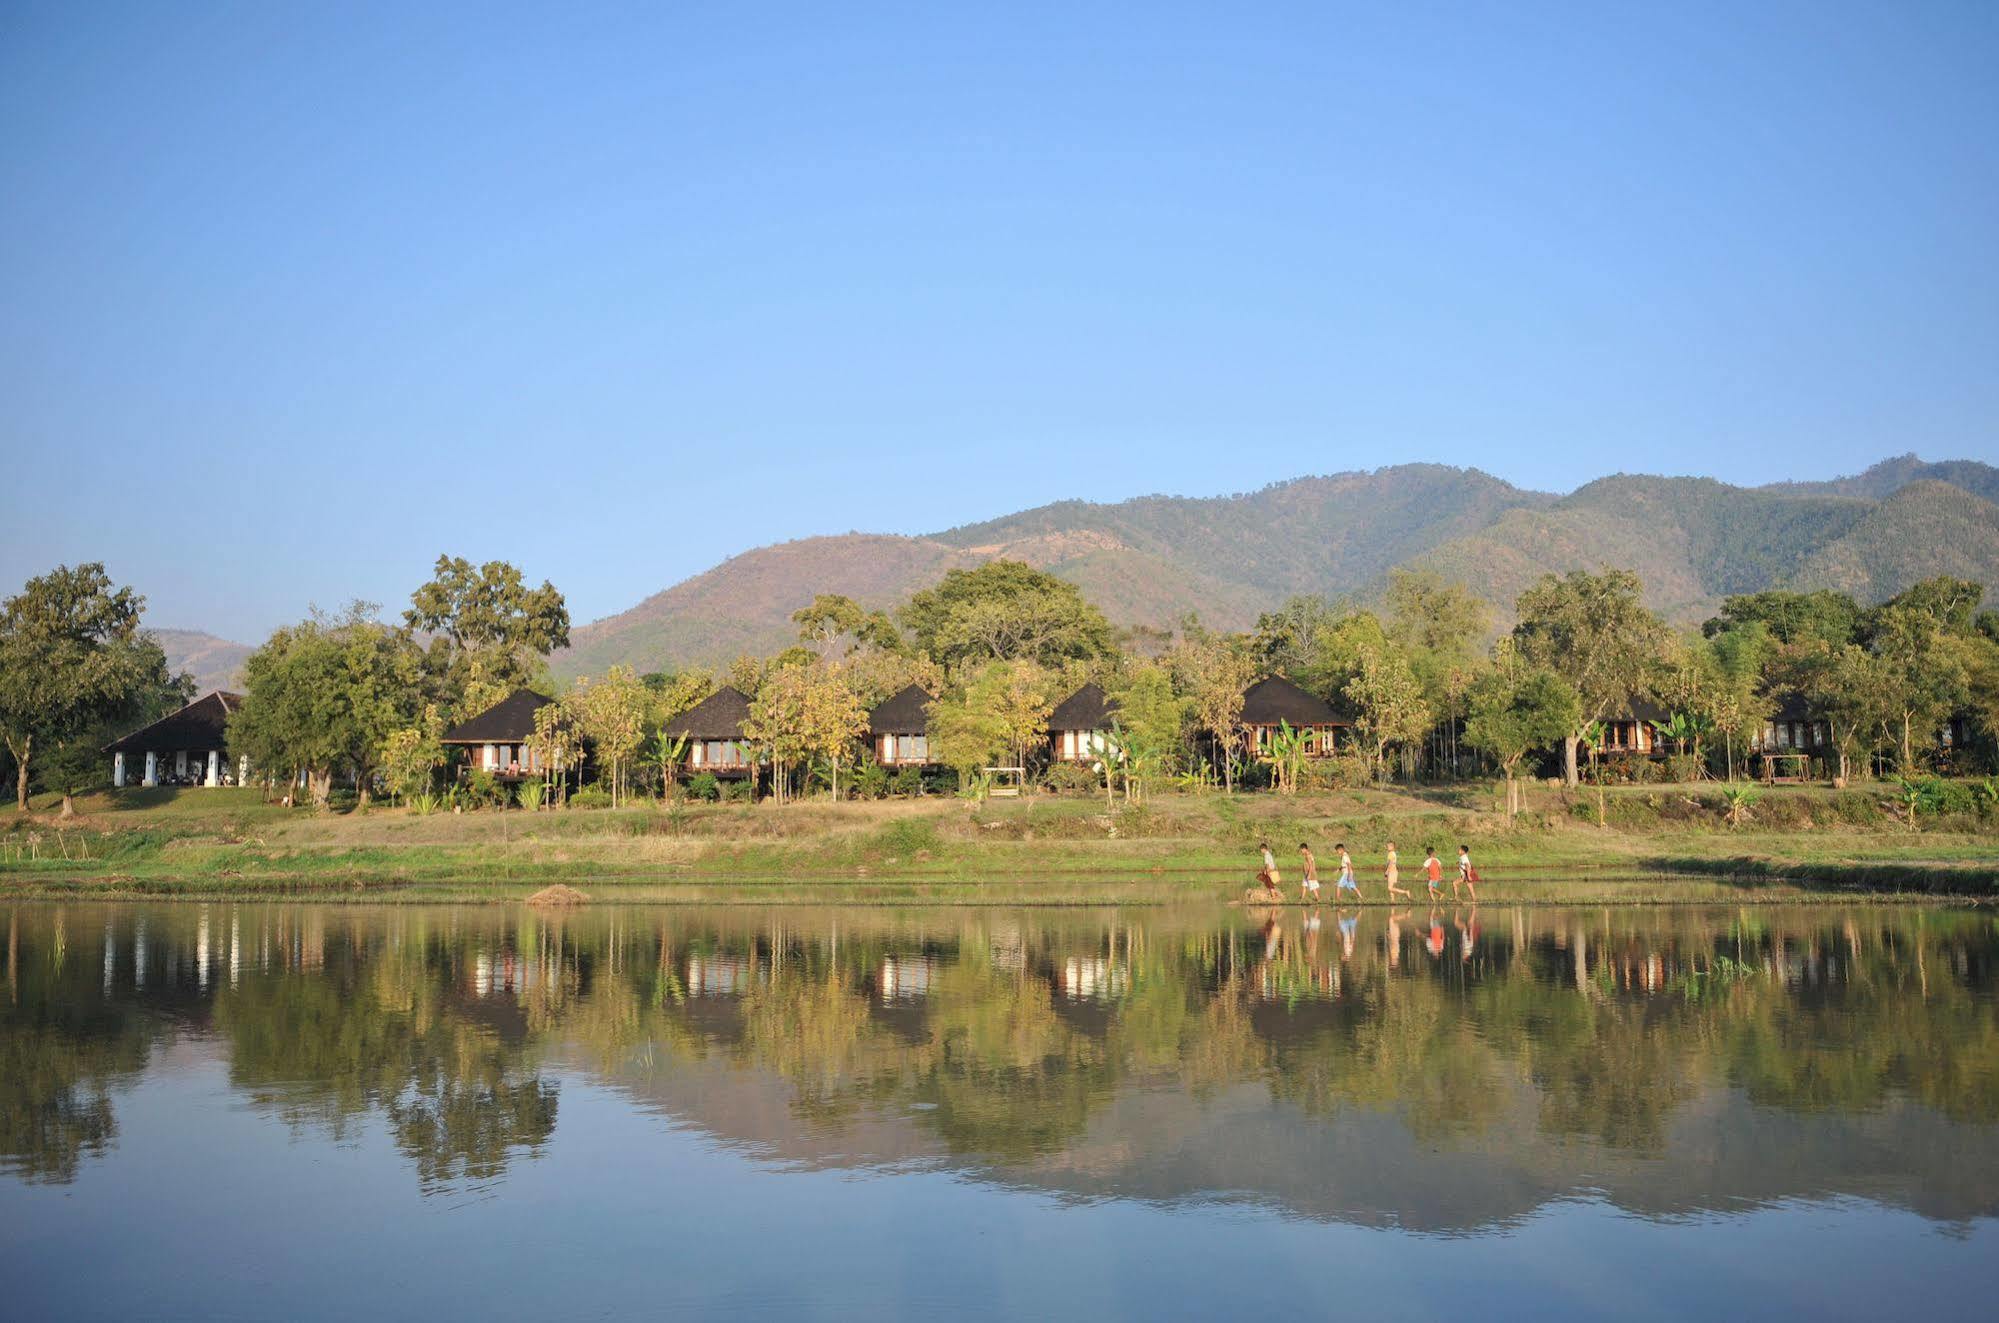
(1466, 874)
(1393, 874)
(1272, 884)
(1433, 873)
(1310, 885)
(1345, 881)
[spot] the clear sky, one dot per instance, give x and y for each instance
(293, 298)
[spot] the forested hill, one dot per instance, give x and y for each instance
(1153, 559)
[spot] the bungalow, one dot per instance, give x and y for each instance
(713, 729)
(1792, 728)
(1274, 702)
(498, 739)
(1079, 729)
(899, 729)
(183, 748)
(1632, 730)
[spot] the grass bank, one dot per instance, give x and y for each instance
(1654, 844)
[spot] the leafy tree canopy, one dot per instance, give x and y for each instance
(1005, 610)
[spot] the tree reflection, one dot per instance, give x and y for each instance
(1006, 1040)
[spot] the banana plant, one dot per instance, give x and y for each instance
(668, 753)
(1287, 747)
(1739, 798)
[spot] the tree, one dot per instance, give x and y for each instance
(1793, 619)
(1000, 711)
(326, 694)
(1516, 708)
(412, 753)
(72, 664)
(490, 628)
(1921, 673)
(1147, 731)
(611, 715)
(1004, 611)
(1440, 627)
(830, 616)
(1593, 631)
(556, 748)
(1214, 672)
(805, 711)
(1389, 703)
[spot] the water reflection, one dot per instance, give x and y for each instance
(1445, 1069)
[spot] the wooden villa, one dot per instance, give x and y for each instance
(1793, 728)
(1079, 729)
(1633, 731)
(713, 729)
(184, 748)
(497, 740)
(1274, 702)
(899, 729)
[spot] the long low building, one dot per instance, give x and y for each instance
(184, 748)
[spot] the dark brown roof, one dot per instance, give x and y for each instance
(907, 713)
(1274, 699)
(199, 725)
(1791, 707)
(1635, 708)
(508, 721)
(720, 716)
(1086, 709)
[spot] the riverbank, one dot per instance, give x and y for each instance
(1657, 844)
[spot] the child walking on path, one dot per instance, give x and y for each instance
(1466, 874)
(1345, 882)
(1310, 889)
(1433, 870)
(1393, 873)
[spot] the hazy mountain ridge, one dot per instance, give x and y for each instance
(1152, 559)
(215, 663)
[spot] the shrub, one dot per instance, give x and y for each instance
(1683, 767)
(871, 780)
(739, 792)
(909, 782)
(1072, 778)
(481, 788)
(342, 801)
(590, 797)
(939, 781)
(704, 786)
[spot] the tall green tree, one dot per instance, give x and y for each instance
(1214, 672)
(490, 629)
(1006, 611)
(1388, 702)
(325, 695)
(1516, 708)
(73, 663)
(1593, 631)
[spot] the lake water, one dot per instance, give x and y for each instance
(278, 1110)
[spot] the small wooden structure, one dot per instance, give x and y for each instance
(497, 740)
(1274, 702)
(713, 729)
(1004, 782)
(899, 729)
(1079, 729)
(1786, 768)
(184, 748)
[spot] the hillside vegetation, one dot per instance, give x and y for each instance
(1151, 560)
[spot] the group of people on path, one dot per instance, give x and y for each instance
(1433, 875)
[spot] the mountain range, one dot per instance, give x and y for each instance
(1153, 559)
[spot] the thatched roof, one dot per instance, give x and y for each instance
(1275, 699)
(907, 713)
(1636, 708)
(509, 721)
(720, 716)
(1089, 708)
(199, 725)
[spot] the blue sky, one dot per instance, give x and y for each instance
(292, 299)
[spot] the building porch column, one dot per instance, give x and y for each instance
(118, 770)
(152, 768)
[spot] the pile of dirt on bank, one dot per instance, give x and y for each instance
(558, 895)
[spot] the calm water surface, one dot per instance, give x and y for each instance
(274, 1110)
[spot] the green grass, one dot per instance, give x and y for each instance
(1662, 843)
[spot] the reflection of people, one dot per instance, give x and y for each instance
(1467, 933)
(1310, 889)
(1435, 942)
(1394, 938)
(1393, 872)
(1345, 881)
(1348, 923)
(1273, 938)
(1466, 874)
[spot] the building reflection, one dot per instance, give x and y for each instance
(1442, 1067)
